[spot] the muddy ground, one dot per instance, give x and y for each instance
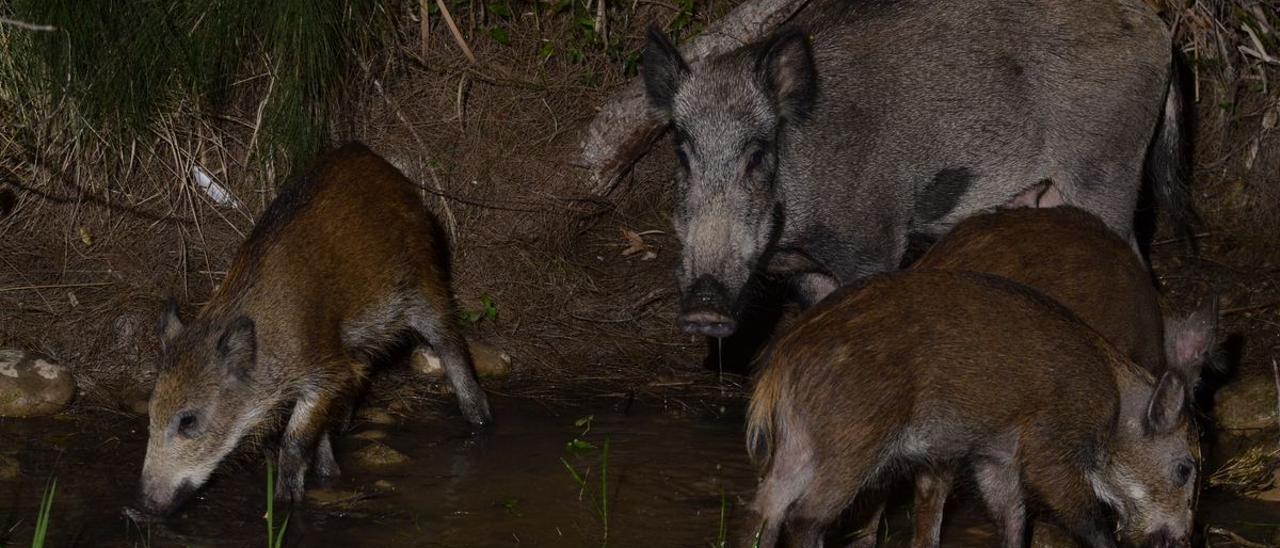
(89, 251)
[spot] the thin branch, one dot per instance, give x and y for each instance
(1246, 308)
(1275, 373)
(26, 25)
(457, 35)
(51, 286)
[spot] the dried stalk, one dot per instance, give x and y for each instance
(457, 35)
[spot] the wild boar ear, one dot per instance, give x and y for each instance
(1188, 341)
(1041, 194)
(170, 325)
(237, 347)
(664, 70)
(1164, 411)
(788, 72)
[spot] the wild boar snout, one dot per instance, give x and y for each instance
(705, 309)
(158, 498)
(1165, 538)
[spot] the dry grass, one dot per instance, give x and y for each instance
(100, 231)
(1251, 471)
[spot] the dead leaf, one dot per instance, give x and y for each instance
(86, 237)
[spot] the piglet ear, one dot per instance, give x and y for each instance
(664, 70)
(787, 70)
(237, 347)
(170, 326)
(1189, 340)
(1168, 401)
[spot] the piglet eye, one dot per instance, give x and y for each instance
(1183, 473)
(187, 424)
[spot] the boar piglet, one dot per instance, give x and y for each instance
(929, 372)
(344, 264)
(1071, 256)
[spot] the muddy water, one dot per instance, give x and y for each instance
(510, 485)
(506, 486)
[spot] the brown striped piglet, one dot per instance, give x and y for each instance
(930, 372)
(345, 264)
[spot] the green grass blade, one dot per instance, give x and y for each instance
(574, 473)
(604, 490)
(271, 499)
(279, 542)
(722, 538)
(46, 514)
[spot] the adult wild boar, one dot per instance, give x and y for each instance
(930, 373)
(813, 155)
(344, 264)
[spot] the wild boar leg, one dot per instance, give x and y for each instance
(306, 426)
(932, 488)
(804, 532)
(1001, 488)
(456, 362)
(1067, 493)
(326, 464)
(868, 535)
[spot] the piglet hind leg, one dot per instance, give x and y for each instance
(325, 463)
(455, 360)
(932, 489)
(1001, 487)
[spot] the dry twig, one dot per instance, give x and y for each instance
(26, 25)
(457, 35)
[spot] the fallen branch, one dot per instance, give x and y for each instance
(623, 131)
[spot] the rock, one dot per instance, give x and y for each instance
(136, 399)
(32, 385)
(332, 497)
(10, 469)
(370, 435)
(376, 416)
(488, 361)
(376, 455)
(1246, 403)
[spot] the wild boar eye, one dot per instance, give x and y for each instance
(1182, 474)
(187, 424)
(757, 158)
(684, 158)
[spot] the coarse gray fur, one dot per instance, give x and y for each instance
(821, 149)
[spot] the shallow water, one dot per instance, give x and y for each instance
(506, 486)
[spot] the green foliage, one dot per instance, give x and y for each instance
(487, 311)
(722, 535)
(275, 538)
(579, 448)
(42, 520)
(123, 62)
